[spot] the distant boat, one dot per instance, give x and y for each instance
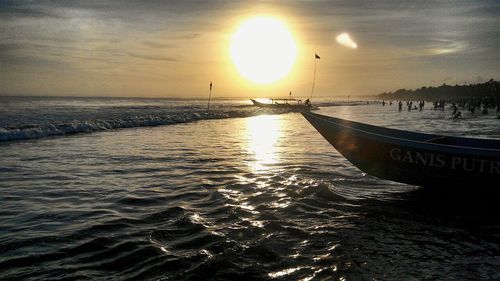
(293, 104)
(413, 158)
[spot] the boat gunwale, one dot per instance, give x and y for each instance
(424, 144)
(298, 107)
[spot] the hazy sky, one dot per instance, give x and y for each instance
(175, 48)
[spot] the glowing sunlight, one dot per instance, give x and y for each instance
(263, 50)
(263, 133)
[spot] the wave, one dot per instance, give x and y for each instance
(59, 128)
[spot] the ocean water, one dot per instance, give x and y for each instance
(141, 189)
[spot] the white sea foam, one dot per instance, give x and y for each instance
(142, 119)
(37, 117)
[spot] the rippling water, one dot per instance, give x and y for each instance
(261, 197)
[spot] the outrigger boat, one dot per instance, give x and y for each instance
(413, 158)
(293, 104)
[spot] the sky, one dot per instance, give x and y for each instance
(176, 48)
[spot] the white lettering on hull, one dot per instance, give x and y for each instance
(441, 161)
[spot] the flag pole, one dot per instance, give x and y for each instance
(314, 76)
(209, 95)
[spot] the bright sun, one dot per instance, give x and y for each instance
(263, 50)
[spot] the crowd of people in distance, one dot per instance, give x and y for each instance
(483, 104)
(409, 104)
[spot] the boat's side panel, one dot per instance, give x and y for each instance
(260, 104)
(292, 107)
(405, 162)
(416, 136)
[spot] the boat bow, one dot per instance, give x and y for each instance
(410, 157)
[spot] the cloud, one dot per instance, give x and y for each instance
(419, 38)
(157, 45)
(443, 47)
(345, 40)
(152, 57)
(189, 36)
(8, 47)
(11, 9)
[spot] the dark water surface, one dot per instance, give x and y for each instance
(257, 198)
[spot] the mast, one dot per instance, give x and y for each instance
(316, 57)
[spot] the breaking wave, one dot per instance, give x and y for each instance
(23, 118)
(69, 127)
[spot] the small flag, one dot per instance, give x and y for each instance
(290, 93)
(316, 56)
(210, 85)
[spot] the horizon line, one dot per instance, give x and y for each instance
(171, 97)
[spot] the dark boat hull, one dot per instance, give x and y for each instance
(413, 158)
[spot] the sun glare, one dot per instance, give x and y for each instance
(263, 134)
(263, 50)
(345, 39)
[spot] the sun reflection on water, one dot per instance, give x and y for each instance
(263, 133)
(260, 146)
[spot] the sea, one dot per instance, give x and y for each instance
(164, 189)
